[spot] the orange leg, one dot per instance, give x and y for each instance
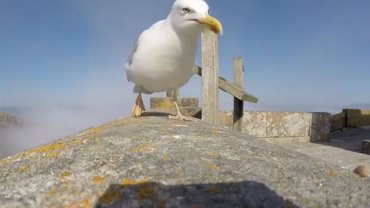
(139, 107)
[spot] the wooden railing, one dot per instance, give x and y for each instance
(212, 82)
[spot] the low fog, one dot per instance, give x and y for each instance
(47, 116)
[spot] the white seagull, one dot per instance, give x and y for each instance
(164, 55)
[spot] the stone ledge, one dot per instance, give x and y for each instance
(168, 163)
(357, 117)
(280, 140)
(187, 106)
(366, 147)
(282, 125)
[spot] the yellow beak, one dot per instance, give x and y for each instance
(212, 24)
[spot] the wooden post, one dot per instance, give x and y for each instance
(238, 104)
(175, 94)
(210, 71)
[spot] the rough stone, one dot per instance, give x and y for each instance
(156, 162)
(320, 127)
(338, 121)
(225, 119)
(284, 124)
(254, 124)
(282, 127)
(283, 140)
(187, 106)
(357, 117)
(189, 102)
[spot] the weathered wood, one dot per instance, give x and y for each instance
(210, 77)
(230, 88)
(238, 103)
(174, 94)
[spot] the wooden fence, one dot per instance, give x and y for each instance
(212, 82)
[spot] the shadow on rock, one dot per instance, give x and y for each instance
(242, 194)
(155, 113)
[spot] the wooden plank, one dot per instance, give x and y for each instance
(210, 77)
(230, 88)
(238, 103)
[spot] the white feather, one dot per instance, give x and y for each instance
(165, 53)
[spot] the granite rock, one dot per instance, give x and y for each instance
(157, 162)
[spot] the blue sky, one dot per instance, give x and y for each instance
(65, 58)
(300, 55)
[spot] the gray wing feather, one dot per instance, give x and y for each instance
(129, 60)
(131, 55)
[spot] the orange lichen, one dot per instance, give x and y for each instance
(53, 154)
(110, 197)
(165, 104)
(213, 190)
(78, 141)
(331, 173)
(141, 148)
(52, 191)
(145, 191)
(98, 179)
(85, 203)
(24, 168)
(213, 155)
(64, 175)
(49, 150)
(215, 131)
(97, 130)
(161, 204)
(6, 161)
(213, 167)
(121, 122)
(131, 182)
(165, 158)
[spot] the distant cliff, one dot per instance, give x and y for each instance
(157, 162)
(7, 120)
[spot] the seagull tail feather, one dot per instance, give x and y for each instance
(141, 89)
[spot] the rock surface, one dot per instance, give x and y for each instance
(156, 162)
(282, 127)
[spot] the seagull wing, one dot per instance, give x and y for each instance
(129, 59)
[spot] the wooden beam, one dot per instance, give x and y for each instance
(230, 88)
(210, 77)
(238, 103)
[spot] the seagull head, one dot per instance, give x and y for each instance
(192, 15)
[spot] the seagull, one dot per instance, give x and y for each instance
(164, 54)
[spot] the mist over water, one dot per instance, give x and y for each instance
(47, 117)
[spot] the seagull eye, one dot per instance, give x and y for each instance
(185, 10)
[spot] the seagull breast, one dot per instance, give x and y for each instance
(163, 58)
(164, 55)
